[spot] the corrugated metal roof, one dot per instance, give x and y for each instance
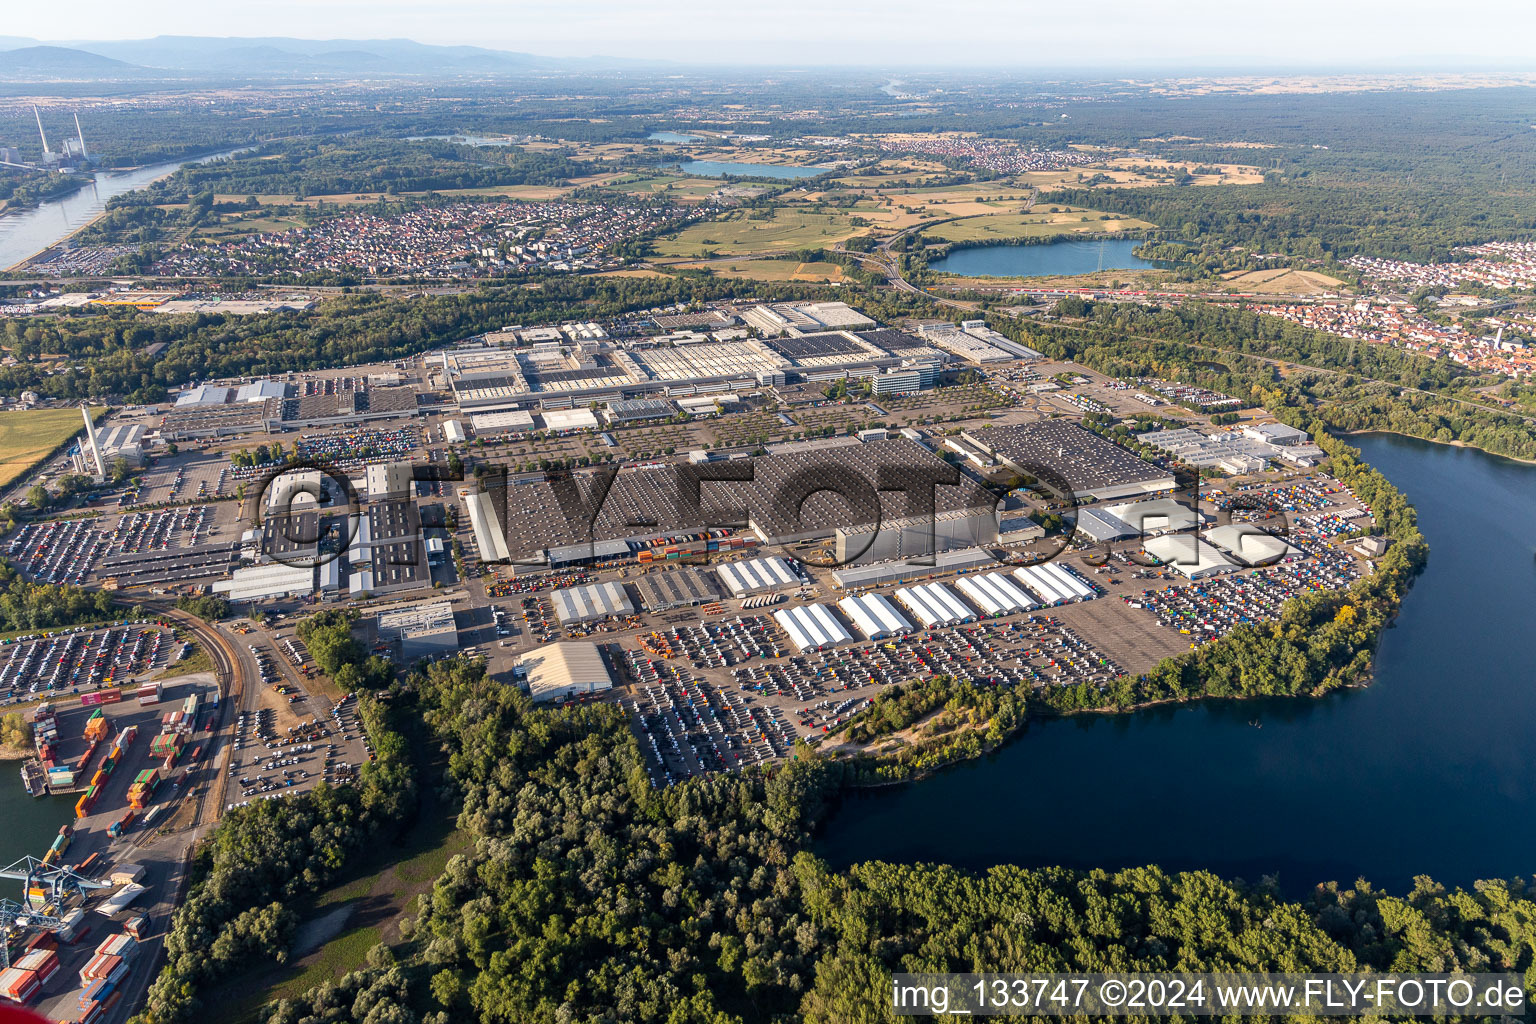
(594, 601)
(560, 669)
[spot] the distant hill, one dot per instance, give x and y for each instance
(59, 60)
(280, 55)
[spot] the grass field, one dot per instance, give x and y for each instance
(27, 436)
(1038, 223)
(772, 270)
(736, 234)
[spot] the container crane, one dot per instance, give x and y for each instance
(58, 884)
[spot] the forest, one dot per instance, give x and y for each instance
(1315, 219)
(590, 896)
(344, 166)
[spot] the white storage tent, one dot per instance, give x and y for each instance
(874, 616)
(995, 594)
(934, 604)
(1048, 590)
(812, 627)
(1079, 589)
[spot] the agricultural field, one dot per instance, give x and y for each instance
(772, 270)
(1282, 282)
(27, 436)
(679, 188)
(1037, 223)
(1121, 174)
(738, 233)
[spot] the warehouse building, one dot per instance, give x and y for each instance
(812, 627)
(681, 588)
(486, 526)
(1247, 544)
(513, 421)
(425, 630)
(593, 601)
(1101, 526)
(995, 594)
(915, 535)
(598, 552)
(876, 574)
(1157, 516)
(768, 573)
(1091, 465)
(875, 616)
(934, 604)
(635, 410)
(386, 550)
(385, 480)
(1188, 555)
(565, 669)
(569, 419)
(267, 582)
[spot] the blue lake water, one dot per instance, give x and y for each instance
(716, 169)
(1431, 770)
(676, 138)
(1050, 260)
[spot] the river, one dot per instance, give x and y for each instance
(1052, 259)
(1432, 770)
(31, 823)
(26, 233)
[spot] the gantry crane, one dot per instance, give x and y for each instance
(57, 883)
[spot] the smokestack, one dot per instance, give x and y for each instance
(90, 436)
(40, 134)
(83, 154)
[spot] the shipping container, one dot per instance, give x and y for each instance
(19, 986)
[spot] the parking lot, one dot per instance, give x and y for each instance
(292, 739)
(81, 658)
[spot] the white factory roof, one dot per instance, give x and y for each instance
(1188, 555)
(513, 419)
(559, 670)
(593, 601)
(1249, 545)
(259, 390)
(570, 419)
(275, 579)
(768, 573)
(934, 604)
(206, 394)
(812, 626)
(996, 594)
(489, 536)
(874, 616)
(1157, 515)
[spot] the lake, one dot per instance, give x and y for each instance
(716, 169)
(676, 138)
(26, 233)
(1432, 770)
(1055, 259)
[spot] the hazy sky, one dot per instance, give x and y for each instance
(1023, 33)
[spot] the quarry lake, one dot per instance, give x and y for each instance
(1431, 770)
(716, 169)
(1053, 259)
